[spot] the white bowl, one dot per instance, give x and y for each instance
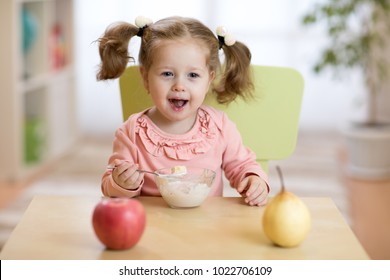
(185, 190)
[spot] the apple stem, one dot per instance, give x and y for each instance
(280, 177)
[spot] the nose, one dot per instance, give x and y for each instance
(178, 86)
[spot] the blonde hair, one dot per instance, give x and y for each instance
(234, 76)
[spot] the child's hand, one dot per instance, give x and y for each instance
(254, 189)
(126, 175)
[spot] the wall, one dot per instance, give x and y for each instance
(271, 29)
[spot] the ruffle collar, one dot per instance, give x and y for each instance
(199, 140)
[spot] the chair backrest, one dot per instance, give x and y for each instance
(268, 124)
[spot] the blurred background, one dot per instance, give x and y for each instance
(273, 31)
(57, 121)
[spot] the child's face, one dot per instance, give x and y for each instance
(178, 78)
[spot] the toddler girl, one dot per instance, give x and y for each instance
(179, 61)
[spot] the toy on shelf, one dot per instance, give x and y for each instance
(57, 47)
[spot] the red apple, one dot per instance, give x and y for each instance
(119, 222)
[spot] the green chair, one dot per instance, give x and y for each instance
(268, 124)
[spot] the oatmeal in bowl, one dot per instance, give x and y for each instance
(184, 187)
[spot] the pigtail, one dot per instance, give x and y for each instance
(236, 77)
(113, 50)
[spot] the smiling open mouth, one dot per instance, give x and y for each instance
(178, 103)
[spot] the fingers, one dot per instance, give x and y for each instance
(258, 197)
(126, 175)
(243, 186)
(134, 179)
(254, 190)
(124, 168)
(126, 171)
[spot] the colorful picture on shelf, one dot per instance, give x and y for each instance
(57, 47)
(30, 30)
(34, 140)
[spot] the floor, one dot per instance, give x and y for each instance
(314, 169)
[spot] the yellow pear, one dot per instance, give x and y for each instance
(286, 218)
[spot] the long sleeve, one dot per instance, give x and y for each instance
(238, 161)
(124, 148)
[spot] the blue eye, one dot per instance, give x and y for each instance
(193, 75)
(167, 74)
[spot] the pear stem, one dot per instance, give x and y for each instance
(280, 177)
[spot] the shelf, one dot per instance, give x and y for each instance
(39, 85)
(44, 79)
(33, 83)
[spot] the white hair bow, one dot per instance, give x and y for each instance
(225, 37)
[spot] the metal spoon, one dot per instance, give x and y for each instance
(110, 167)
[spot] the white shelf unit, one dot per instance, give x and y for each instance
(37, 107)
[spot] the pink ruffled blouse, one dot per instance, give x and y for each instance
(213, 142)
